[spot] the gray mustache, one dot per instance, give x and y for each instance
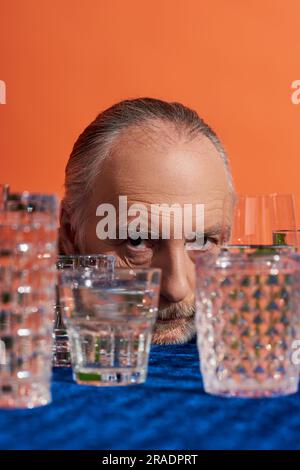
(179, 310)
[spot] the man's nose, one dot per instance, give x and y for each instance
(176, 275)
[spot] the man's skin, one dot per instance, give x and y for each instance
(154, 165)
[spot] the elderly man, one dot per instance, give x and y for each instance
(152, 152)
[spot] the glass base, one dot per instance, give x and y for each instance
(110, 376)
(24, 395)
(278, 390)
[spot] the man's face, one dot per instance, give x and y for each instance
(155, 167)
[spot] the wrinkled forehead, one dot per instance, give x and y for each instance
(163, 167)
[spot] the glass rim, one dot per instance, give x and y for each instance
(227, 246)
(137, 270)
(215, 261)
(117, 269)
(86, 256)
(83, 273)
(254, 245)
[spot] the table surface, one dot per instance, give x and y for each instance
(169, 411)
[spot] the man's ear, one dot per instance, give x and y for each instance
(66, 236)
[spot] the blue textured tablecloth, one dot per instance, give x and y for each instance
(170, 411)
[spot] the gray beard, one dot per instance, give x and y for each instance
(172, 334)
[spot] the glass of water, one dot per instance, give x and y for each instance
(105, 266)
(110, 323)
(248, 324)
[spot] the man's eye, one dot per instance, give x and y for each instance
(210, 244)
(137, 243)
(207, 242)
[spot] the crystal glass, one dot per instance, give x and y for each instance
(28, 230)
(247, 318)
(257, 217)
(28, 233)
(25, 336)
(110, 323)
(104, 264)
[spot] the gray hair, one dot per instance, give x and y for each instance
(96, 142)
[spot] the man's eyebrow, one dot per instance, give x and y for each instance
(213, 229)
(210, 230)
(218, 229)
(144, 234)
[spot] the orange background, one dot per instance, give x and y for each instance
(64, 61)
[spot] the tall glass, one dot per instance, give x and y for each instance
(28, 234)
(104, 264)
(248, 324)
(258, 218)
(110, 324)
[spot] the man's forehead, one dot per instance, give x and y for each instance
(165, 205)
(183, 173)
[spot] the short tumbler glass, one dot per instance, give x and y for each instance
(247, 319)
(110, 323)
(105, 265)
